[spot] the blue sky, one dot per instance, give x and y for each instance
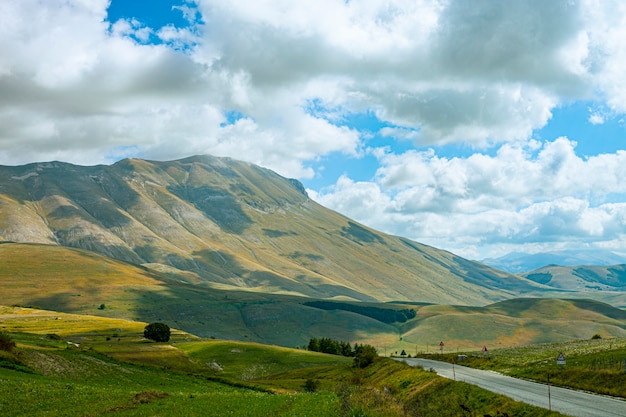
(478, 127)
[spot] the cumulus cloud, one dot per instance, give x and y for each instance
(78, 87)
(479, 72)
(538, 194)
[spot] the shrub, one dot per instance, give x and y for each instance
(596, 336)
(159, 332)
(311, 385)
(6, 343)
(364, 355)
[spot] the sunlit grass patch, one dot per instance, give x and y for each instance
(249, 361)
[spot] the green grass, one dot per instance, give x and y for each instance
(76, 281)
(133, 391)
(250, 361)
(45, 376)
(591, 365)
(515, 322)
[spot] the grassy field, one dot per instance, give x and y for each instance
(510, 323)
(81, 282)
(109, 369)
(594, 365)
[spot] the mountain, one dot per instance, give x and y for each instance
(77, 281)
(224, 224)
(517, 262)
(82, 282)
(581, 278)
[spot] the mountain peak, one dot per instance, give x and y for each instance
(228, 224)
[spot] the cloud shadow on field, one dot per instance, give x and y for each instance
(217, 204)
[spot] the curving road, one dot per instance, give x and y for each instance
(565, 401)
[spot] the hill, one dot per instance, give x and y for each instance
(78, 281)
(225, 224)
(514, 322)
(114, 371)
(581, 277)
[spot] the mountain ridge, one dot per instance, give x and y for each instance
(229, 224)
(521, 263)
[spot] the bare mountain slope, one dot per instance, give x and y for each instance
(78, 281)
(232, 225)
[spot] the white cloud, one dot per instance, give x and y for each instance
(519, 195)
(76, 88)
(596, 119)
(479, 72)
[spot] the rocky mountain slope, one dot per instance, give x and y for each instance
(226, 224)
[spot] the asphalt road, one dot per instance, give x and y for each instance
(565, 401)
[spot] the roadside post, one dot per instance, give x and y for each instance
(453, 370)
(549, 397)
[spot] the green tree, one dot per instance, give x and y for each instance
(314, 345)
(159, 332)
(364, 355)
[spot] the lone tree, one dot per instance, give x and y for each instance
(159, 332)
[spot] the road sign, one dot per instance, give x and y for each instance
(560, 360)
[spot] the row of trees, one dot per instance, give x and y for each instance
(334, 347)
(363, 354)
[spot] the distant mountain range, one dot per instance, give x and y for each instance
(517, 263)
(227, 224)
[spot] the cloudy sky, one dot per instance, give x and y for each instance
(481, 127)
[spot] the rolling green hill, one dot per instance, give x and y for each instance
(224, 224)
(78, 281)
(514, 322)
(602, 283)
(582, 277)
(78, 365)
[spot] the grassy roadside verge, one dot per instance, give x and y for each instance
(597, 365)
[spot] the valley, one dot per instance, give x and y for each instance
(237, 259)
(76, 365)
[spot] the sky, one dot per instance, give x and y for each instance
(481, 127)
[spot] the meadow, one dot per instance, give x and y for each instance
(74, 365)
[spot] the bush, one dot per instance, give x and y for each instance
(159, 332)
(364, 355)
(311, 385)
(596, 336)
(6, 343)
